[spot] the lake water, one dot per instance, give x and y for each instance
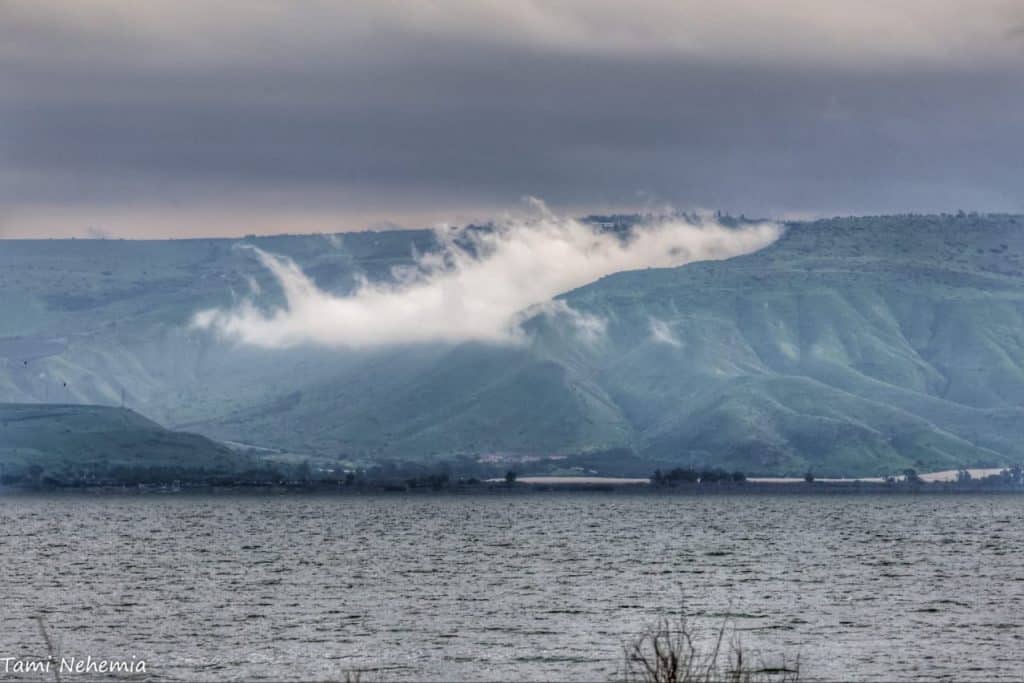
(535, 586)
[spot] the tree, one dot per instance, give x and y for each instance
(682, 474)
(510, 477)
(809, 477)
(713, 474)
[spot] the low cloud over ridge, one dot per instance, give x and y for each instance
(478, 293)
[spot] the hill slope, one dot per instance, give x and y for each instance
(848, 346)
(76, 441)
(851, 347)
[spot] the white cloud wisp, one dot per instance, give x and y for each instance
(478, 293)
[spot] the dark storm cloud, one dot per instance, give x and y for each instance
(368, 114)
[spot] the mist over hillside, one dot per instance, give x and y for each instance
(854, 346)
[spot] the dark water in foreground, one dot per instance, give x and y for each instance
(528, 587)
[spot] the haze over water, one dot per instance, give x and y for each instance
(521, 587)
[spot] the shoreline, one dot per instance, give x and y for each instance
(543, 485)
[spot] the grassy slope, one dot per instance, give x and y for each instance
(121, 308)
(72, 437)
(857, 346)
(853, 346)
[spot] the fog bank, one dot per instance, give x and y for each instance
(479, 286)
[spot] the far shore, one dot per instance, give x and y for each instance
(582, 479)
(944, 482)
(943, 476)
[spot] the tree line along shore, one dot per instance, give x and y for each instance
(419, 480)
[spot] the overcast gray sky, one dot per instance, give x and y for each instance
(177, 118)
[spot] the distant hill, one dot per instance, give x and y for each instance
(855, 346)
(82, 441)
(849, 346)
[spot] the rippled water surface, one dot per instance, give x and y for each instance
(541, 586)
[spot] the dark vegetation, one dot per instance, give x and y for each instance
(1010, 479)
(671, 651)
(688, 475)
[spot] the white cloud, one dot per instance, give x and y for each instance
(478, 293)
(333, 239)
(661, 333)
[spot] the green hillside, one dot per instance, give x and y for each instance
(84, 441)
(850, 346)
(855, 346)
(90, 321)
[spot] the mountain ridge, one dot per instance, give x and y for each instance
(900, 337)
